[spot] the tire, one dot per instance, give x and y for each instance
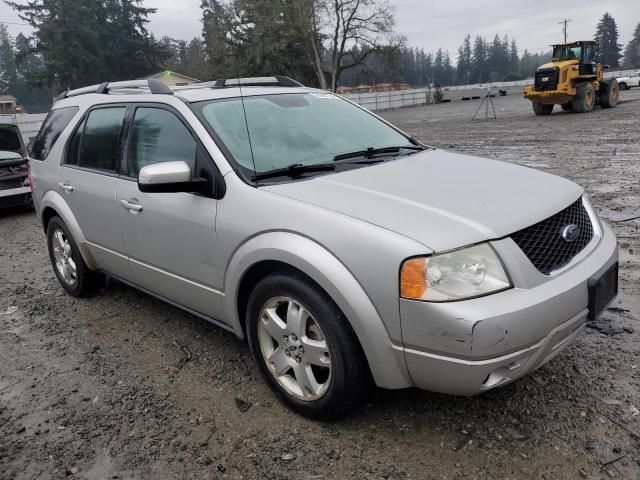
(610, 94)
(542, 109)
(623, 86)
(567, 107)
(585, 98)
(324, 352)
(67, 262)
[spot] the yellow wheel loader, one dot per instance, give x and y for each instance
(573, 80)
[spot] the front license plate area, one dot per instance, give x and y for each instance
(602, 290)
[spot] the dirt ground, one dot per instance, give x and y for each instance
(122, 386)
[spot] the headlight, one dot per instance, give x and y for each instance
(457, 275)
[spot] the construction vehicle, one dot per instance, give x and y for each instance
(574, 80)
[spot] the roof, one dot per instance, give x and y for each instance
(573, 43)
(8, 98)
(196, 94)
(143, 89)
(167, 73)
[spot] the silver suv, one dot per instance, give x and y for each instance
(345, 251)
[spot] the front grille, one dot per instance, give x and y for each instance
(546, 79)
(544, 243)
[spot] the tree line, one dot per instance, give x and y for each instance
(324, 43)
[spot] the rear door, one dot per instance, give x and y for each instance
(170, 237)
(87, 180)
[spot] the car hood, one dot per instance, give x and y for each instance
(440, 199)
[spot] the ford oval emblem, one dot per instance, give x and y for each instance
(570, 233)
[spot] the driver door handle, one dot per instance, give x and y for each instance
(132, 207)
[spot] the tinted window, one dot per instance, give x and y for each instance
(56, 121)
(96, 143)
(159, 136)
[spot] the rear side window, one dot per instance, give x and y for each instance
(96, 142)
(159, 136)
(56, 121)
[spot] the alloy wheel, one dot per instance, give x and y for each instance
(63, 256)
(294, 348)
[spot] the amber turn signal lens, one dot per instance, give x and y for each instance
(413, 283)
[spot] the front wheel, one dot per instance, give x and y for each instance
(305, 347)
(585, 98)
(542, 109)
(623, 86)
(72, 273)
(610, 95)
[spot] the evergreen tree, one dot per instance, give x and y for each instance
(82, 42)
(514, 59)
(632, 50)
(479, 61)
(7, 61)
(463, 68)
(255, 38)
(607, 37)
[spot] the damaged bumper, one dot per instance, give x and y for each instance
(14, 183)
(467, 347)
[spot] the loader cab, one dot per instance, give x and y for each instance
(585, 52)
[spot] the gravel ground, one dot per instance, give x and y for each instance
(124, 386)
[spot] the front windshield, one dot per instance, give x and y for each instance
(294, 128)
(567, 52)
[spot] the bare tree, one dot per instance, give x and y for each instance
(358, 29)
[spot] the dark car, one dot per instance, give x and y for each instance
(15, 189)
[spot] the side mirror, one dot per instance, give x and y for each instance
(169, 177)
(606, 67)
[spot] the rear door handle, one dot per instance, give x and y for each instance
(132, 207)
(66, 187)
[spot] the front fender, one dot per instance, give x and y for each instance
(387, 366)
(52, 199)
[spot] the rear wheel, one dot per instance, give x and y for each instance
(585, 98)
(567, 107)
(542, 109)
(72, 273)
(610, 94)
(305, 348)
(624, 86)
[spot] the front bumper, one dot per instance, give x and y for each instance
(549, 97)
(467, 347)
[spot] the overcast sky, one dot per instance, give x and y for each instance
(533, 23)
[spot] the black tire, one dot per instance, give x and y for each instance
(623, 86)
(542, 109)
(350, 379)
(86, 281)
(609, 93)
(585, 98)
(567, 107)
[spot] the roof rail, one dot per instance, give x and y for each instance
(154, 86)
(274, 81)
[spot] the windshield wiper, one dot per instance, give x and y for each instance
(294, 170)
(372, 152)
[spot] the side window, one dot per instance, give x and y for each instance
(56, 121)
(159, 136)
(96, 142)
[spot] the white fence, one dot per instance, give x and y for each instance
(392, 99)
(420, 96)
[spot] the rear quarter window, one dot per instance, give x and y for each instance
(56, 121)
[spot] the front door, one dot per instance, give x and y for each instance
(87, 181)
(169, 237)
